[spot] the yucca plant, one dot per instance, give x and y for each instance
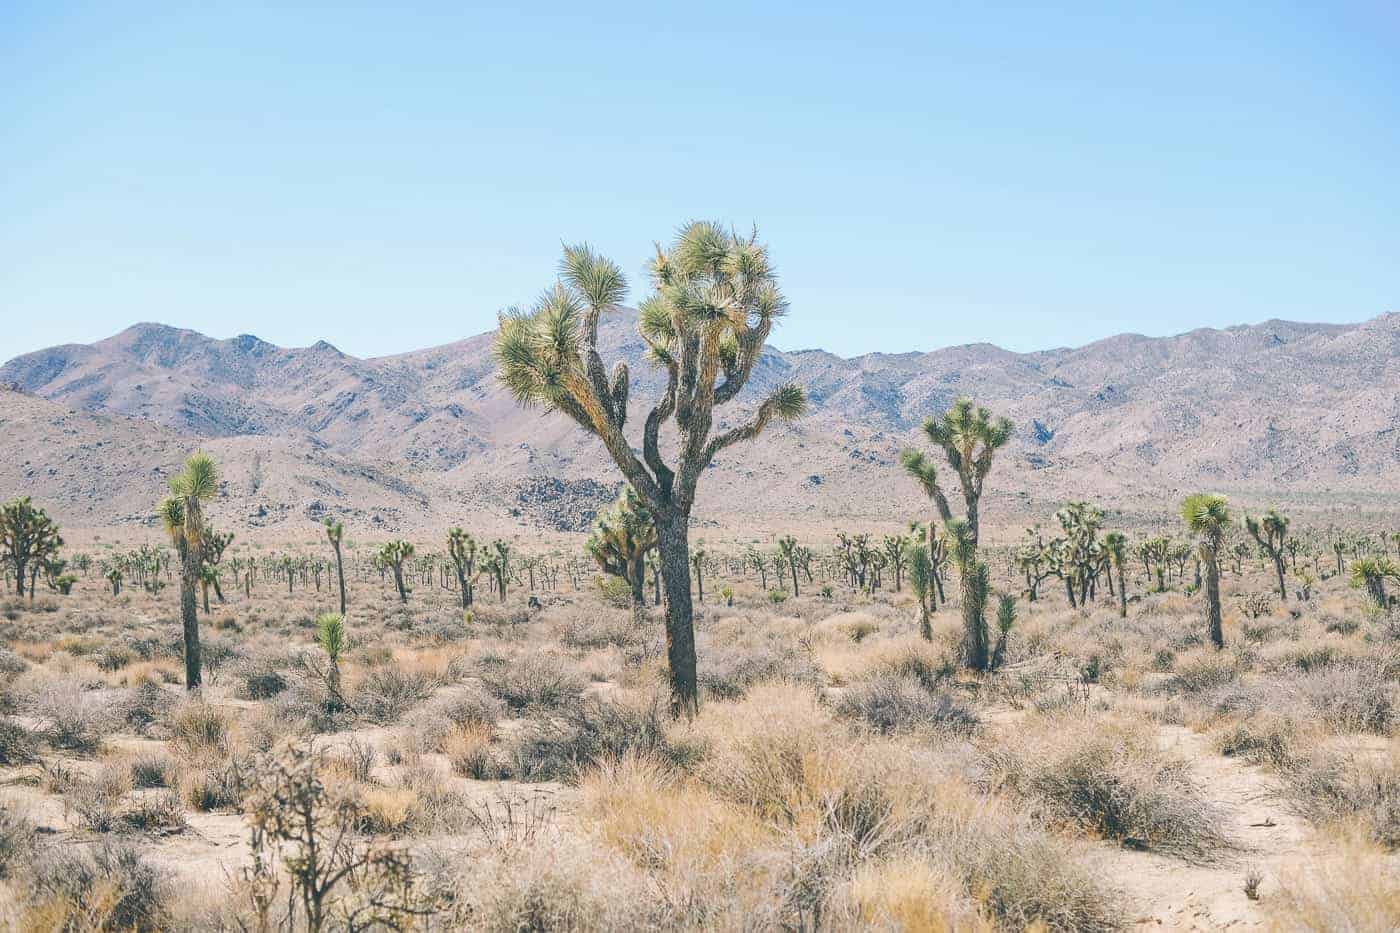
(1006, 618)
(788, 551)
(334, 641)
(1370, 573)
(182, 514)
(715, 300)
(1207, 517)
(1269, 533)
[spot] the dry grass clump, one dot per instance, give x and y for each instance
(110, 887)
(1265, 738)
(1201, 670)
(1109, 779)
(70, 717)
(1363, 697)
(557, 884)
(891, 703)
(738, 653)
(388, 691)
(18, 839)
(544, 680)
(559, 747)
(17, 744)
(1355, 889)
(910, 892)
(1331, 787)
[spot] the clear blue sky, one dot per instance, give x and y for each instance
(926, 174)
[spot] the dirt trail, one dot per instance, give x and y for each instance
(1169, 893)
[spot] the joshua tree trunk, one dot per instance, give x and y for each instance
(1213, 621)
(19, 576)
(398, 582)
(925, 626)
(1122, 594)
(1282, 586)
(793, 565)
(673, 544)
(1069, 591)
(189, 579)
(974, 626)
(340, 573)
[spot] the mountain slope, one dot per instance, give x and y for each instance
(1298, 407)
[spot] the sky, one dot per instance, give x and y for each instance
(387, 177)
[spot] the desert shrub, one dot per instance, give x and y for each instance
(541, 680)
(921, 661)
(599, 630)
(1261, 740)
(1359, 698)
(145, 705)
(152, 813)
(1354, 891)
(154, 769)
(595, 731)
(1331, 787)
(470, 706)
(1112, 781)
(107, 888)
(558, 885)
(220, 787)
(614, 591)
(468, 751)
(729, 668)
(114, 658)
(11, 663)
(259, 678)
(198, 728)
(17, 745)
(388, 692)
(1201, 670)
(70, 717)
(17, 841)
(97, 802)
(891, 703)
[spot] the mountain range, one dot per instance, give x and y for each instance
(423, 440)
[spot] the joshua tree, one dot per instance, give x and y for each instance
(392, 555)
(969, 437)
(461, 548)
(697, 563)
(1371, 573)
(331, 636)
(1208, 518)
(183, 516)
(1116, 543)
(28, 538)
(335, 533)
(788, 551)
(498, 564)
(921, 578)
(1269, 533)
(623, 535)
(716, 298)
(114, 577)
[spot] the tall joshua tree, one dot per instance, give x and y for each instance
(1208, 518)
(1269, 533)
(715, 299)
(622, 536)
(788, 551)
(969, 437)
(335, 534)
(28, 537)
(461, 547)
(182, 513)
(393, 554)
(1117, 545)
